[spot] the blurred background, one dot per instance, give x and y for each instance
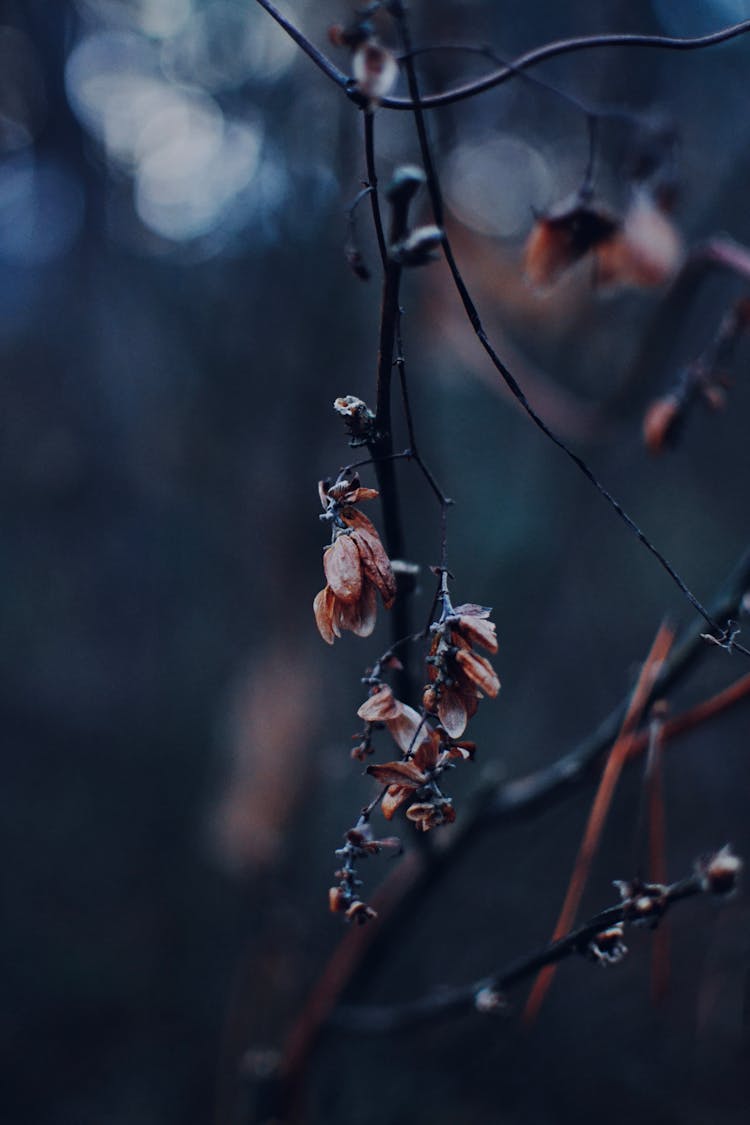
(177, 316)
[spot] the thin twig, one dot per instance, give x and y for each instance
(372, 181)
(436, 198)
(498, 77)
(600, 808)
(564, 47)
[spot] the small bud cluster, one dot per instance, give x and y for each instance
(359, 843)
(608, 947)
(720, 872)
(355, 564)
(643, 903)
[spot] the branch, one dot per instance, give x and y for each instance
(565, 47)
(433, 185)
(379, 1018)
(504, 73)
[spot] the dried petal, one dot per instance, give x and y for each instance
(479, 631)
(396, 796)
(381, 705)
(338, 900)
(471, 609)
(376, 564)
(426, 756)
(358, 617)
(362, 493)
(323, 608)
(405, 774)
(360, 912)
(479, 671)
(343, 568)
(427, 815)
(452, 712)
(408, 729)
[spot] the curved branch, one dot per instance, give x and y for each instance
(566, 47)
(504, 73)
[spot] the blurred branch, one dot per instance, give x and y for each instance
(486, 994)
(723, 632)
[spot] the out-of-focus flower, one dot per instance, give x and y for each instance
(646, 250)
(562, 236)
(355, 564)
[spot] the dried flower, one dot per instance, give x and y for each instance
(459, 676)
(357, 416)
(426, 756)
(607, 947)
(355, 564)
(360, 912)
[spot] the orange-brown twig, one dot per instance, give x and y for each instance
(602, 801)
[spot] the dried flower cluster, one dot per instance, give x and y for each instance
(427, 752)
(458, 675)
(355, 564)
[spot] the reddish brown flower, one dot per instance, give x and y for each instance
(427, 754)
(459, 676)
(355, 564)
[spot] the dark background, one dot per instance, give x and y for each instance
(176, 318)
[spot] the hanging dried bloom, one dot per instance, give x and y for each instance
(562, 236)
(413, 779)
(355, 564)
(459, 676)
